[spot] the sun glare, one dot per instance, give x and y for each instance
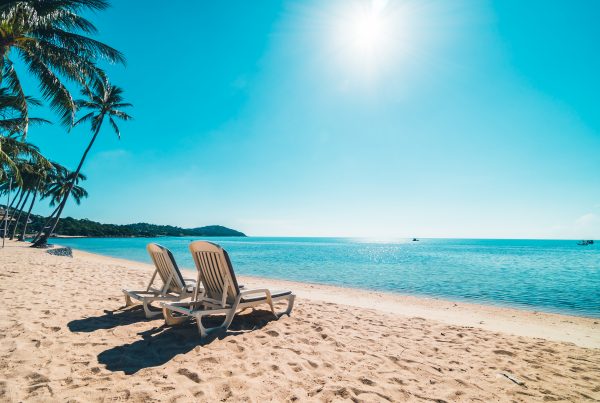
(364, 34)
(367, 32)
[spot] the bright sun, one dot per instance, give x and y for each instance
(364, 35)
(367, 32)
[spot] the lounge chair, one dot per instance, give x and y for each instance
(174, 286)
(220, 294)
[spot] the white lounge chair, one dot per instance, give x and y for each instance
(174, 286)
(220, 294)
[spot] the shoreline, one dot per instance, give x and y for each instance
(581, 330)
(446, 298)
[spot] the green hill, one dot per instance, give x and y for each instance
(69, 226)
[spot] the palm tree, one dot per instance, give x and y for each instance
(52, 40)
(61, 184)
(39, 175)
(13, 148)
(12, 126)
(56, 186)
(12, 119)
(17, 157)
(104, 101)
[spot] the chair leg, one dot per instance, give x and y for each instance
(288, 311)
(223, 327)
(149, 314)
(172, 320)
(201, 328)
(270, 303)
(128, 301)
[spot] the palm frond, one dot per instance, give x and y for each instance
(51, 87)
(115, 127)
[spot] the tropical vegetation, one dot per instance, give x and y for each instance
(69, 226)
(52, 40)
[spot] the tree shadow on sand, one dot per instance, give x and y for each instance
(109, 320)
(159, 345)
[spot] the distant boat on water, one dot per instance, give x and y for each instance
(415, 240)
(585, 243)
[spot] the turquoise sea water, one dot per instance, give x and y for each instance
(547, 275)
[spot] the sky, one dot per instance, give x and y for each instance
(463, 118)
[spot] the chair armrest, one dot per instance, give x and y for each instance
(256, 291)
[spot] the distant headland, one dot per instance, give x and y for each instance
(73, 227)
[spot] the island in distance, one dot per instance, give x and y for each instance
(87, 228)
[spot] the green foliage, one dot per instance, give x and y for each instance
(83, 227)
(53, 41)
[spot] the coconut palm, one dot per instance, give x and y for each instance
(12, 125)
(12, 119)
(51, 38)
(38, 176)
(32, 173)
(62, 183)
(104, 101)
(13, 148)
(17, 174)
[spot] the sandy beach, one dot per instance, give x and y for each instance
(64, 336)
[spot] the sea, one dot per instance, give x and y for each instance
(545, 275)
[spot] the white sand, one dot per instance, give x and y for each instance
(63, 338)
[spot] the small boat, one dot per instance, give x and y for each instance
(415, 240)
(585, 242)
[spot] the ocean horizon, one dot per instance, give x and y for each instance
(555, 276)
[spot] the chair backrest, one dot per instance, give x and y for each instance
(216, 271)
(166, 266)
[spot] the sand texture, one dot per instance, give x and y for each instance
(64, 337)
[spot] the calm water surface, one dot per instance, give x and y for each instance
(548, 275)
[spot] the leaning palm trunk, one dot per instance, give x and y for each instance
(43, 240)
(12, 235)
(22, 236)
(18, 195)
(45, 225)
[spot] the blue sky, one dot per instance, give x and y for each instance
(435, 119)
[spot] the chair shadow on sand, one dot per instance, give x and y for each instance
(110, 320)
(160, 344)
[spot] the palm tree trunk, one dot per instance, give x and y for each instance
(17, 195)
(21, 194)
(12, 236)
(44, 238)
(22, 236)
(6, 212)
(45, 224)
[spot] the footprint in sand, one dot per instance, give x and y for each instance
(366, 381)
(272, 333)
(192, 376)
(504, 352)
(294, 366)
(38, 381)
(312, 364)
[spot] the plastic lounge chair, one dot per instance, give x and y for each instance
(221, 294)
(174, 287)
